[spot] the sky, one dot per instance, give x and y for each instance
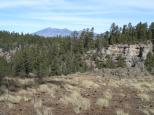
(29, 16)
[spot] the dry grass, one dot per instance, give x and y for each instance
(105, 101)
(10, 98)
(146, 112)
(71, 88)
(140, 85)
(151, 87)
(144, 97)
(47, 111)
(113, 83)
(27, 81)
(43, 97)
(151, 111)
(10, 105)
(102, 102)
(25, 94)
(108, 94)
(77, 101)
(44, 88)
(127, 106)
(89, 84)
(38, 103)
(48, 88)
(121, 112)
(38, 106)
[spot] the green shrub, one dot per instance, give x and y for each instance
(109, 63)
(120, 62)
(4, 67)
(149, 63)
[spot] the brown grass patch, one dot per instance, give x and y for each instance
(104, 102)
(144, 97)
(113, 83)
(121, 112)
(48, 88)
(10, 98)
(146, 112)
(151, 111)
(89, 84)
(77, 101)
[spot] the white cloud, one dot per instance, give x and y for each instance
(145, 4)
(20, 3)
(78, 4)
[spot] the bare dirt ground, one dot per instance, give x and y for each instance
(78, 94)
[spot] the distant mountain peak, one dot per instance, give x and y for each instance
(53, 32)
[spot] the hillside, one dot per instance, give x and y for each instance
(78, 94)
(78, 75)
(26, 54)
(77, 57)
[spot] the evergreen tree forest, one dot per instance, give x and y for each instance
(64, 55)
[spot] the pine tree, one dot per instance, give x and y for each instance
(4, 67)
(149, 63)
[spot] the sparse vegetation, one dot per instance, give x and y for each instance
(89, 84)
(151, 111)
(105, 101)
(77, 101)
(80, 93)
(121, 112)
(102, 102)
(144, 97)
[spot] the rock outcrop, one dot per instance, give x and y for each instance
(132, 54)
(8, 54)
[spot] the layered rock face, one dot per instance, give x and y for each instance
(131, 53)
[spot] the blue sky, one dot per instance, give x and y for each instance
(29, 16)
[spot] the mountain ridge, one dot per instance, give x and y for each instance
(53, 32)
